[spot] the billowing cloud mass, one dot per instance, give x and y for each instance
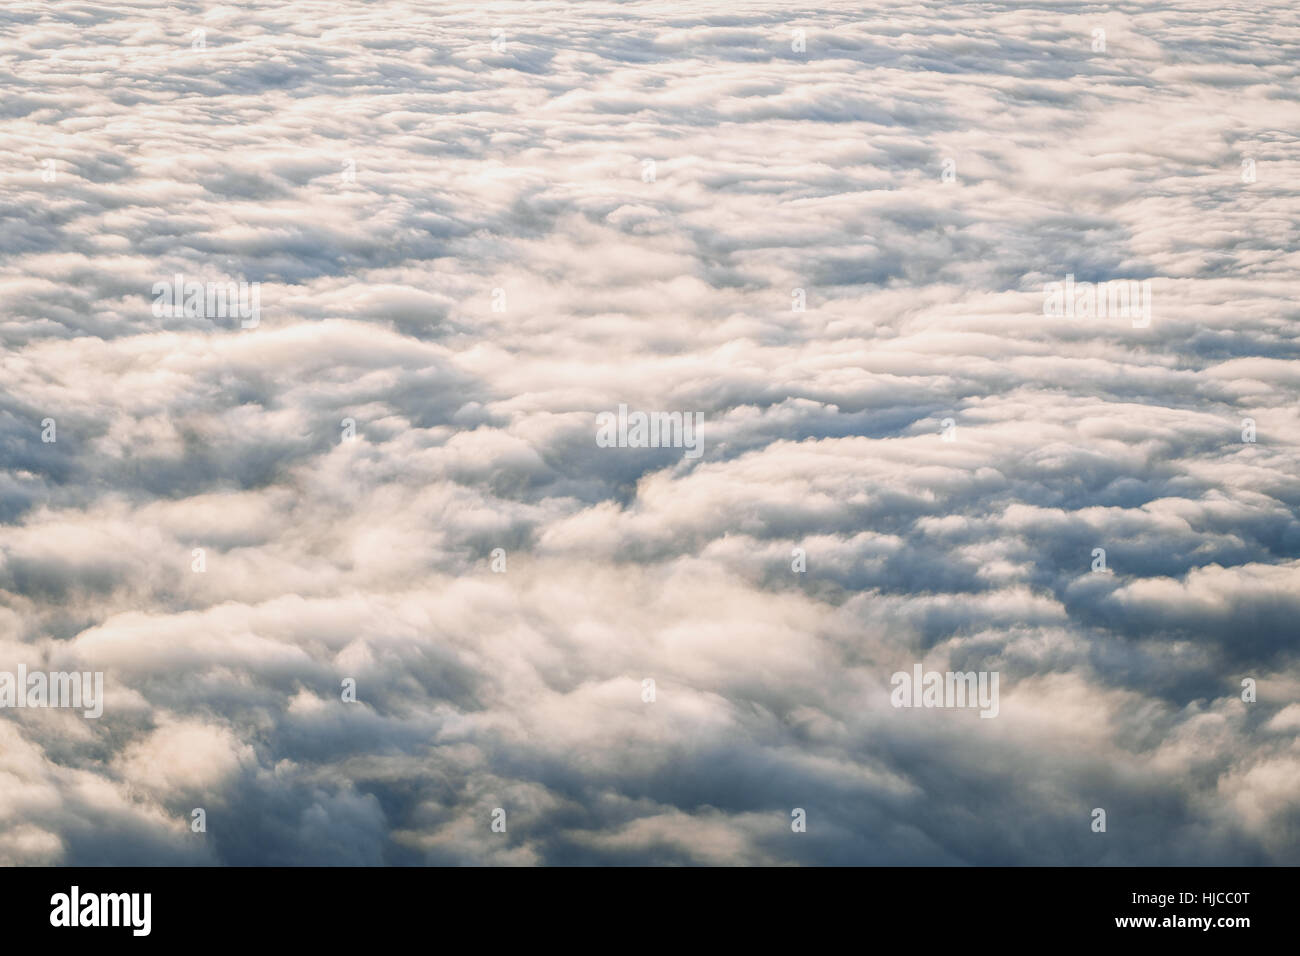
(475, 228)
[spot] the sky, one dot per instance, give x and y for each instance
(365, 588)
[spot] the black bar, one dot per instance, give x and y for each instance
(947, 905)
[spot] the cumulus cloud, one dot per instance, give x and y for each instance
(475, 229)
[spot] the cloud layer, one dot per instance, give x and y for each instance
(476, 228)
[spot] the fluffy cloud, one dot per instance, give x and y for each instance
(468, 244)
